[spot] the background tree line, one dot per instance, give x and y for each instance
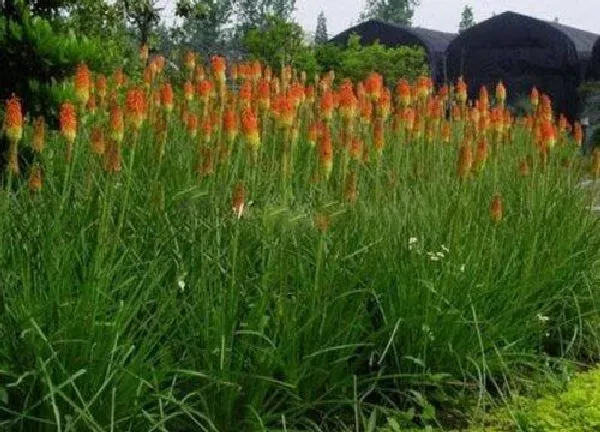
(42, 41)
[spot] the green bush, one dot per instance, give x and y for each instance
(276, 43)
(34, 55)
(358, 61)
(575, 409)
(280, 42)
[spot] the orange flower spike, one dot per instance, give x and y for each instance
(256, 70)
(327, 105)
(68, 126)
(192, 125)
(444, 93)
(68, 122)
(91, 105)
(578, 134)
(97, 142)
(456, 113)
(484, 99)
(356, 149)
(219, 66)
(434, 109)
(166, 97)
(461, 91)
(82, 84)
(366, 110)
(534, 98)
(496, 210)
(297, 93)
(13, 120)
(374, 86)
(264, 94)
(230, 126)
(288, 112)
(39, 135)
(207, 129)
(548, 134)
(403, 93)
(245, 94)
(326, 153)
(117, 125)
(384, 104)
(500, 94)
(188, 91)
(204, 89)
(238, 199)
(424, 87)
(465, 160)
(347, 100)
(136, 108)
(563, 124)
(250, 129)
(446, 132)
(497, 120)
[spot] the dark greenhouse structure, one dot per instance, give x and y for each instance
(434, 42)
(524, 52)
(594, 66)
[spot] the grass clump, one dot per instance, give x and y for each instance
(172, 278)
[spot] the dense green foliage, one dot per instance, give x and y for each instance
(357, 61)
(574, 408)
(281, 42)
(35, 57)
(277, 42)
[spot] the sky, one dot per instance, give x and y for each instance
(444, 15)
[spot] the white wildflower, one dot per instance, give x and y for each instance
(433, 256)
(181, 284)
(412, 243)
(543, 318)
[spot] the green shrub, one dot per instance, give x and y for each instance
(576, 409)
(277, 42)
(358, 61)
(34, 55)
(280, 42)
